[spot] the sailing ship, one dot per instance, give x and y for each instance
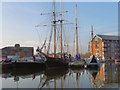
(53, 62)
(78, 63)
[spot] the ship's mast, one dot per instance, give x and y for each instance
(61, 24)
(76, 32)
(92, 39)
(54, 23)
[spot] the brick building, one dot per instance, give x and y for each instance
(106, 46)
(17, 51)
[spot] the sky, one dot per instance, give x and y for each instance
(19, 20)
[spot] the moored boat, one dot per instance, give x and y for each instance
(76, 64)
(93, 63)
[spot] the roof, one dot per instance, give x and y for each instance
(10, 48)
(109, 37)
(7, 48)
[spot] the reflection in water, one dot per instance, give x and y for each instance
(54, 74)
(106, 76)
(112, 73)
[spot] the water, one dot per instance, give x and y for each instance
(107, 76)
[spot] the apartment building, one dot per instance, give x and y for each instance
(106, 46)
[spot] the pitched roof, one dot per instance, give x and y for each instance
(109, 37)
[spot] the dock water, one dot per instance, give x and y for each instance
(106, 76)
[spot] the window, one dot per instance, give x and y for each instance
(96, 46)
(108, 44)
(105, 49)
(105, 40)
(105, 45)
(118, 45)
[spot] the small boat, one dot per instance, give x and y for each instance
(76, 64)
(93, 63)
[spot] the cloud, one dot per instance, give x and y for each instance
(112, 33)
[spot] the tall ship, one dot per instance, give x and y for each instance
(61, 60)
(78, 62)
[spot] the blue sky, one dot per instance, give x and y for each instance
(19, 19)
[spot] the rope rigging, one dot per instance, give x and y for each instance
(55, 18)
(50, 40)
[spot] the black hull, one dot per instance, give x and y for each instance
(6, 66)
(28, 65)
(52, 63)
